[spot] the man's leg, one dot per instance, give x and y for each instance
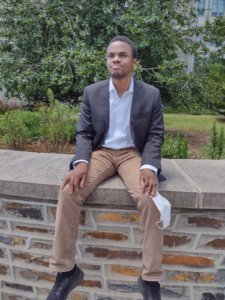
(129, 169)
(68, 212)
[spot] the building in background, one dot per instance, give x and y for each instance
(207, 10)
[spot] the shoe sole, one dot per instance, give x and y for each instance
(79, 279)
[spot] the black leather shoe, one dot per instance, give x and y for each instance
(150, 290)
(65, 282)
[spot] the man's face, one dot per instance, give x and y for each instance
(120, 61)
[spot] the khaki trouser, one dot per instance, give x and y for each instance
(105, 163)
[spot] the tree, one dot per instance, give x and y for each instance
(60, 44)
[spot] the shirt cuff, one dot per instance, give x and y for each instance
(154, 169)
(80, 160)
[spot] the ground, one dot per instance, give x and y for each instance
(196, 140)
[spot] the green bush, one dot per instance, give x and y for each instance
(175, 146)
(18, 127)
(216, 147)
(58, 124)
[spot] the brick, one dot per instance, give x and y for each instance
(12, 240)
(211, 296)
(118, 217)
(78, 296)
(4, 270)
(114, 236)
(123, 286)
(34, 229)
(194, 277)
(175, 292)
(205, 221)
(217, 244)
(124, 270)
(176, 240)
(23, 211)
(28, 258)
(14, 297)
(2, 253)
(36, 275)
(40, 244)
(19, 287)
(89, 267)
(91, 283)
(52, 212)
(113, 254)
(3, 225)
(187, 260)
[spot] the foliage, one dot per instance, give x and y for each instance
(58, 124)
(175, 146)
(18, 127)
(61, 44)
(216, 145)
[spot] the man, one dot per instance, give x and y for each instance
(120, 130)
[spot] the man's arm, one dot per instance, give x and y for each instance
(76, 178)
(152, 151)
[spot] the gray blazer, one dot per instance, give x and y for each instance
(146, 121)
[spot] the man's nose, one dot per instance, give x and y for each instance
(116, 58)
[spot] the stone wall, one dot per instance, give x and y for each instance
(109, 246)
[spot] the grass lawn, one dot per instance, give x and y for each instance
(194, 123)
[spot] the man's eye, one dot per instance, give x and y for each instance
(110, 55)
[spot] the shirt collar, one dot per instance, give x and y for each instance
(130, 90)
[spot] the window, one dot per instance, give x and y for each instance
(218, 8)
(201, 7)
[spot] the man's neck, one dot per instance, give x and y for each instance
(121, 85)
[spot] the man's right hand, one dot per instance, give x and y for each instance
(76, 178)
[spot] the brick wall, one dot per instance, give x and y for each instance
(109, 245)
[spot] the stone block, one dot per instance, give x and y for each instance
(209, 293)
(42, 245)
(79, 296)
(175, 292)
(122, 286)
(105, 235)
(12, 240)
(18, 210)
(3, 225)
(178, 240)
(110, 253)
(191, 277)
(16, 286)
(32, 229)
(4, 270)
(200, 223)
(121, 217)
(117, 270)
(212, 187)
(188, 260)
(33, 259)
(34, 275)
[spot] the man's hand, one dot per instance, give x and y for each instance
(148, 182)
(76, 178)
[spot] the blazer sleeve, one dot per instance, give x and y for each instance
(152, 149)
(85, 133)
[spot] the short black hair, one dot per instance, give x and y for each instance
(124, 39)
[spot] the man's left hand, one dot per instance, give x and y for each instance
(148, 182)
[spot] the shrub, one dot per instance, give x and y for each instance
(58, 124)
(18, 127)
(215, 148)
(175, 146)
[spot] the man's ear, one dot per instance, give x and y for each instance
(135, 62)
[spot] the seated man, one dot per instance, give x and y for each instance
(120, 131)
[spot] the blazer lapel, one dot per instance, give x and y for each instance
(104, 96)
(136, 104)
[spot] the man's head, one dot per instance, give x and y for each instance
(121, 57)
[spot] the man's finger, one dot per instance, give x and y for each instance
(65, 181)
(82, 182)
